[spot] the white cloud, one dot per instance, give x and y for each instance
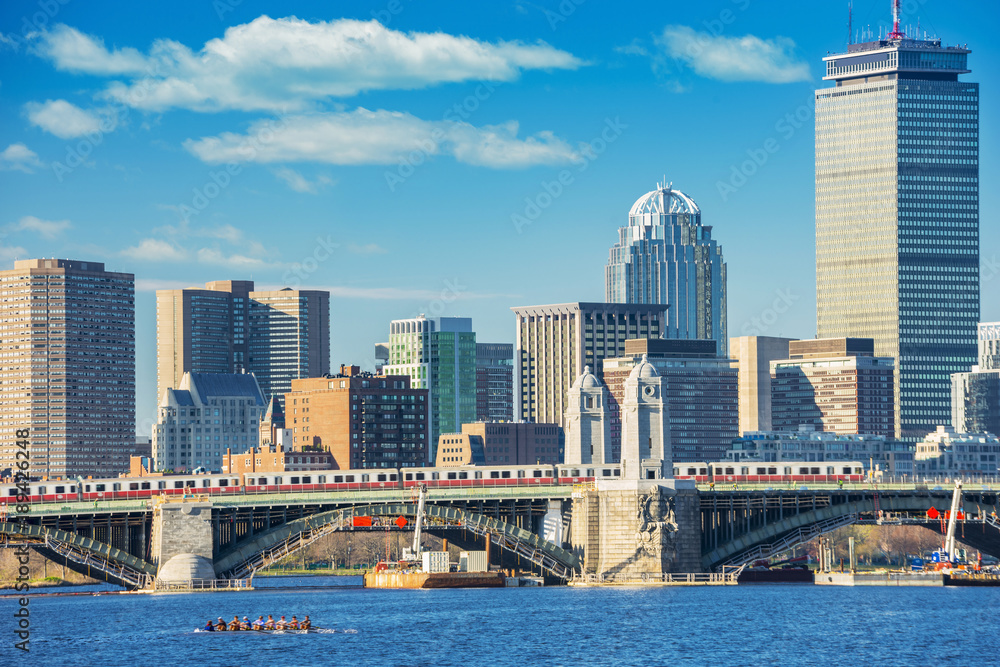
(215, 257)
(72, 51)
(18, 157)
(156, 250)
(746, 58)
(61, 118)
(380, 137)
(272, 64)
(49, 229)
(10, 253)
(300, 183)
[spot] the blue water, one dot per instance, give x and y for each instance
(749, 625)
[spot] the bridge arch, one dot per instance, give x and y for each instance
(800, 528)
(83, 555)
(266, 548)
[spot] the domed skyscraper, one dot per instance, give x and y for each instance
(665, 255)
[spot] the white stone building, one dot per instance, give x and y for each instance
(946, 452)
(587, 422)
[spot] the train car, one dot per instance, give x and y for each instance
(698, 471)
(786, 472)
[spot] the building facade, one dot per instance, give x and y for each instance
(988, 335)
(897, 215)
(554, 343)
(204, 418)
(227, 327)
(439, 355)
(645, 425)
(494, 382)
(700, 388)
(666, 256)
(806, 444)
(835, 385)
(363, 420)
(587, 421)
(518, 443)
(945, 452)
(753, 355)
(67, 368)
(975, 396)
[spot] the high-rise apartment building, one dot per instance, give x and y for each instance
(494, 382)
(988, 334)
(700, 390)
(836, 385)
(439, 355)
(897, 214)
(753, 355)
(363, 420)
(666, 256)
(555, 342)
(67, 367)
(205, 416)
(227, 327)
(975, 395)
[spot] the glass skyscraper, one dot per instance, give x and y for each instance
(665, 256)
(897, 215)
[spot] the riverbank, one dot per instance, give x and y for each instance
(299, 572)
(49, 582)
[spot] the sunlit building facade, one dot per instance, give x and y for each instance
(666, 256)
(897, 215)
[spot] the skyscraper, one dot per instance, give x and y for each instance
(494, 382)
(556, 342)
(664, 255)
(897, 215)
(753, 355)
(227, 327)
(67, 367)
(439, 354)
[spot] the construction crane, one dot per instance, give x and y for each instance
(949, 540)
(414, 553)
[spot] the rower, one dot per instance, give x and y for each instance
(259, 623)
(294, 624)
(235, 623)
(305, 624)
(281, 624)
(245, 625)
(209, 627)
(270, 623)
(221, 625)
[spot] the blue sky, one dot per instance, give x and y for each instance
(450, 159)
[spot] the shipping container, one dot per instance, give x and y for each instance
(436, 561)
(472, 561)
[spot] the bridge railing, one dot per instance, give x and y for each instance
(988, 483)
(688, 579)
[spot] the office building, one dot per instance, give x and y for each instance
(494, 382)
(701, 390)
(459, 449)
(203, 418)
(67, 367)
(439, 355)
(946, 452)
(975, 395)
(555, 342)
(807, 444)
(666, 256)
(897, 215)
(227, 327)
(836, 385)
(753, 355)
(363, 420)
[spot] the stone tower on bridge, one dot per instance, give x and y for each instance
(587, 421)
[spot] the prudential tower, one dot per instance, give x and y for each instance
(897, 214)
(665, 255)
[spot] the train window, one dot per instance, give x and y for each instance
(392, 477)
(223, 482)
(421, 476)
(703, 471)
(605, 473)
(451, 475)
(365, 478)
(408, 477)
(576, 473)
(772, 471)
(380, 477)
(814, 471)
(41, 490)
(744, 470)
(133, 486)
(463, 475)
(307, 480)
(99, 487)
(161, 485)
(618, 472)
(13, 492)
(761, 471)
(435, 475)
(590, 472)
(520, 474)
(788, 470)
(205, 483)
(338, 479)
(479, 474)
(536, 473)
(144, 486)
(847, 471)
(858, 471)
(803, 471)
(277, 480)
(116, 487)
(60, 489)
(505, 474)
(72, 489)
(295, 480)
(349, 478)
(829, 470)
(729, 471)
(494, 474)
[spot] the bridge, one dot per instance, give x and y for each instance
(556, 530)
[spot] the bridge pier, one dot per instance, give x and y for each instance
(183, 541)
(637, 527)
(552, 523)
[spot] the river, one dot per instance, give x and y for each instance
(745, 625)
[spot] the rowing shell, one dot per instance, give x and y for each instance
(310, 631)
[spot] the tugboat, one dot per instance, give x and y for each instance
(432, 569)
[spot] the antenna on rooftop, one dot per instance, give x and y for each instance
(850, 21)
(896, 32)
